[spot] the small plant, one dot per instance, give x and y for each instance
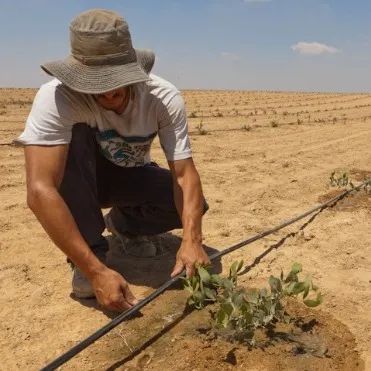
(367, 187)
(200, 129)
(192, 115)
(274, 123)
(343, 180)
(246, 127)
(201, 287)
(340, 180)
(242, 311)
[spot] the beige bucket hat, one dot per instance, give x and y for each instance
(102, 56)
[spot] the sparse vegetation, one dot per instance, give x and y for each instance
(242, 147)
(342, 179)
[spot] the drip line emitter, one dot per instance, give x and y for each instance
(123, 316)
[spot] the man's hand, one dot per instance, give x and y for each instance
(112, 291)
(188, 256)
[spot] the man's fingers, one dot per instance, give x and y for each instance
(123, 304)
(118, 303)
(207, 260)
(178, 268)
(190, 270)
(129, 296)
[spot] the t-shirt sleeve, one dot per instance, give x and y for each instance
(173, 129)
(52, 116)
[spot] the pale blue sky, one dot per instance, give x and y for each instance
(312, 45)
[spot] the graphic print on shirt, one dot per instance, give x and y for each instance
(125, 151)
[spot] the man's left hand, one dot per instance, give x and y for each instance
(189, 255)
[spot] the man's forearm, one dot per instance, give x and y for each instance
(190, 204)
(57, 220)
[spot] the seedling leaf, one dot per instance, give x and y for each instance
(314, 303)
(204, 274)
(275, 284)
(210, 294)
(298, 288)
(296, 268)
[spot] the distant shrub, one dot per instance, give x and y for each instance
(200, 129)
(274, 123)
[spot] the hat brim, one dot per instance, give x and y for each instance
(94, 79)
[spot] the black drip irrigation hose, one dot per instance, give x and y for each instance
(121, 317)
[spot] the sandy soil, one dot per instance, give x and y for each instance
(178, 339)
(263, 157)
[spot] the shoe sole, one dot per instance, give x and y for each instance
(81, 295)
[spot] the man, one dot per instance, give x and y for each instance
(87, 142)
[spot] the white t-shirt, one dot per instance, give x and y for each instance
(125, 139)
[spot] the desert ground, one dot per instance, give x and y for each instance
(263, 157)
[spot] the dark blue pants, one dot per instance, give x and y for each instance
(141, 197)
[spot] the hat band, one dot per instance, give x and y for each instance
(113, 59)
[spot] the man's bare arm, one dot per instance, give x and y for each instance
(189, 201)
(44, 169)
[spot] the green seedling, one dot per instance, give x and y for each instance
(340, 180)
(242, 311)
(202, 287)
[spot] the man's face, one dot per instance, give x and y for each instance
(115, 100)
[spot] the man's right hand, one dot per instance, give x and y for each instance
(112, 291)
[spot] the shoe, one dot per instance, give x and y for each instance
(136, 246)
(81, 286)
